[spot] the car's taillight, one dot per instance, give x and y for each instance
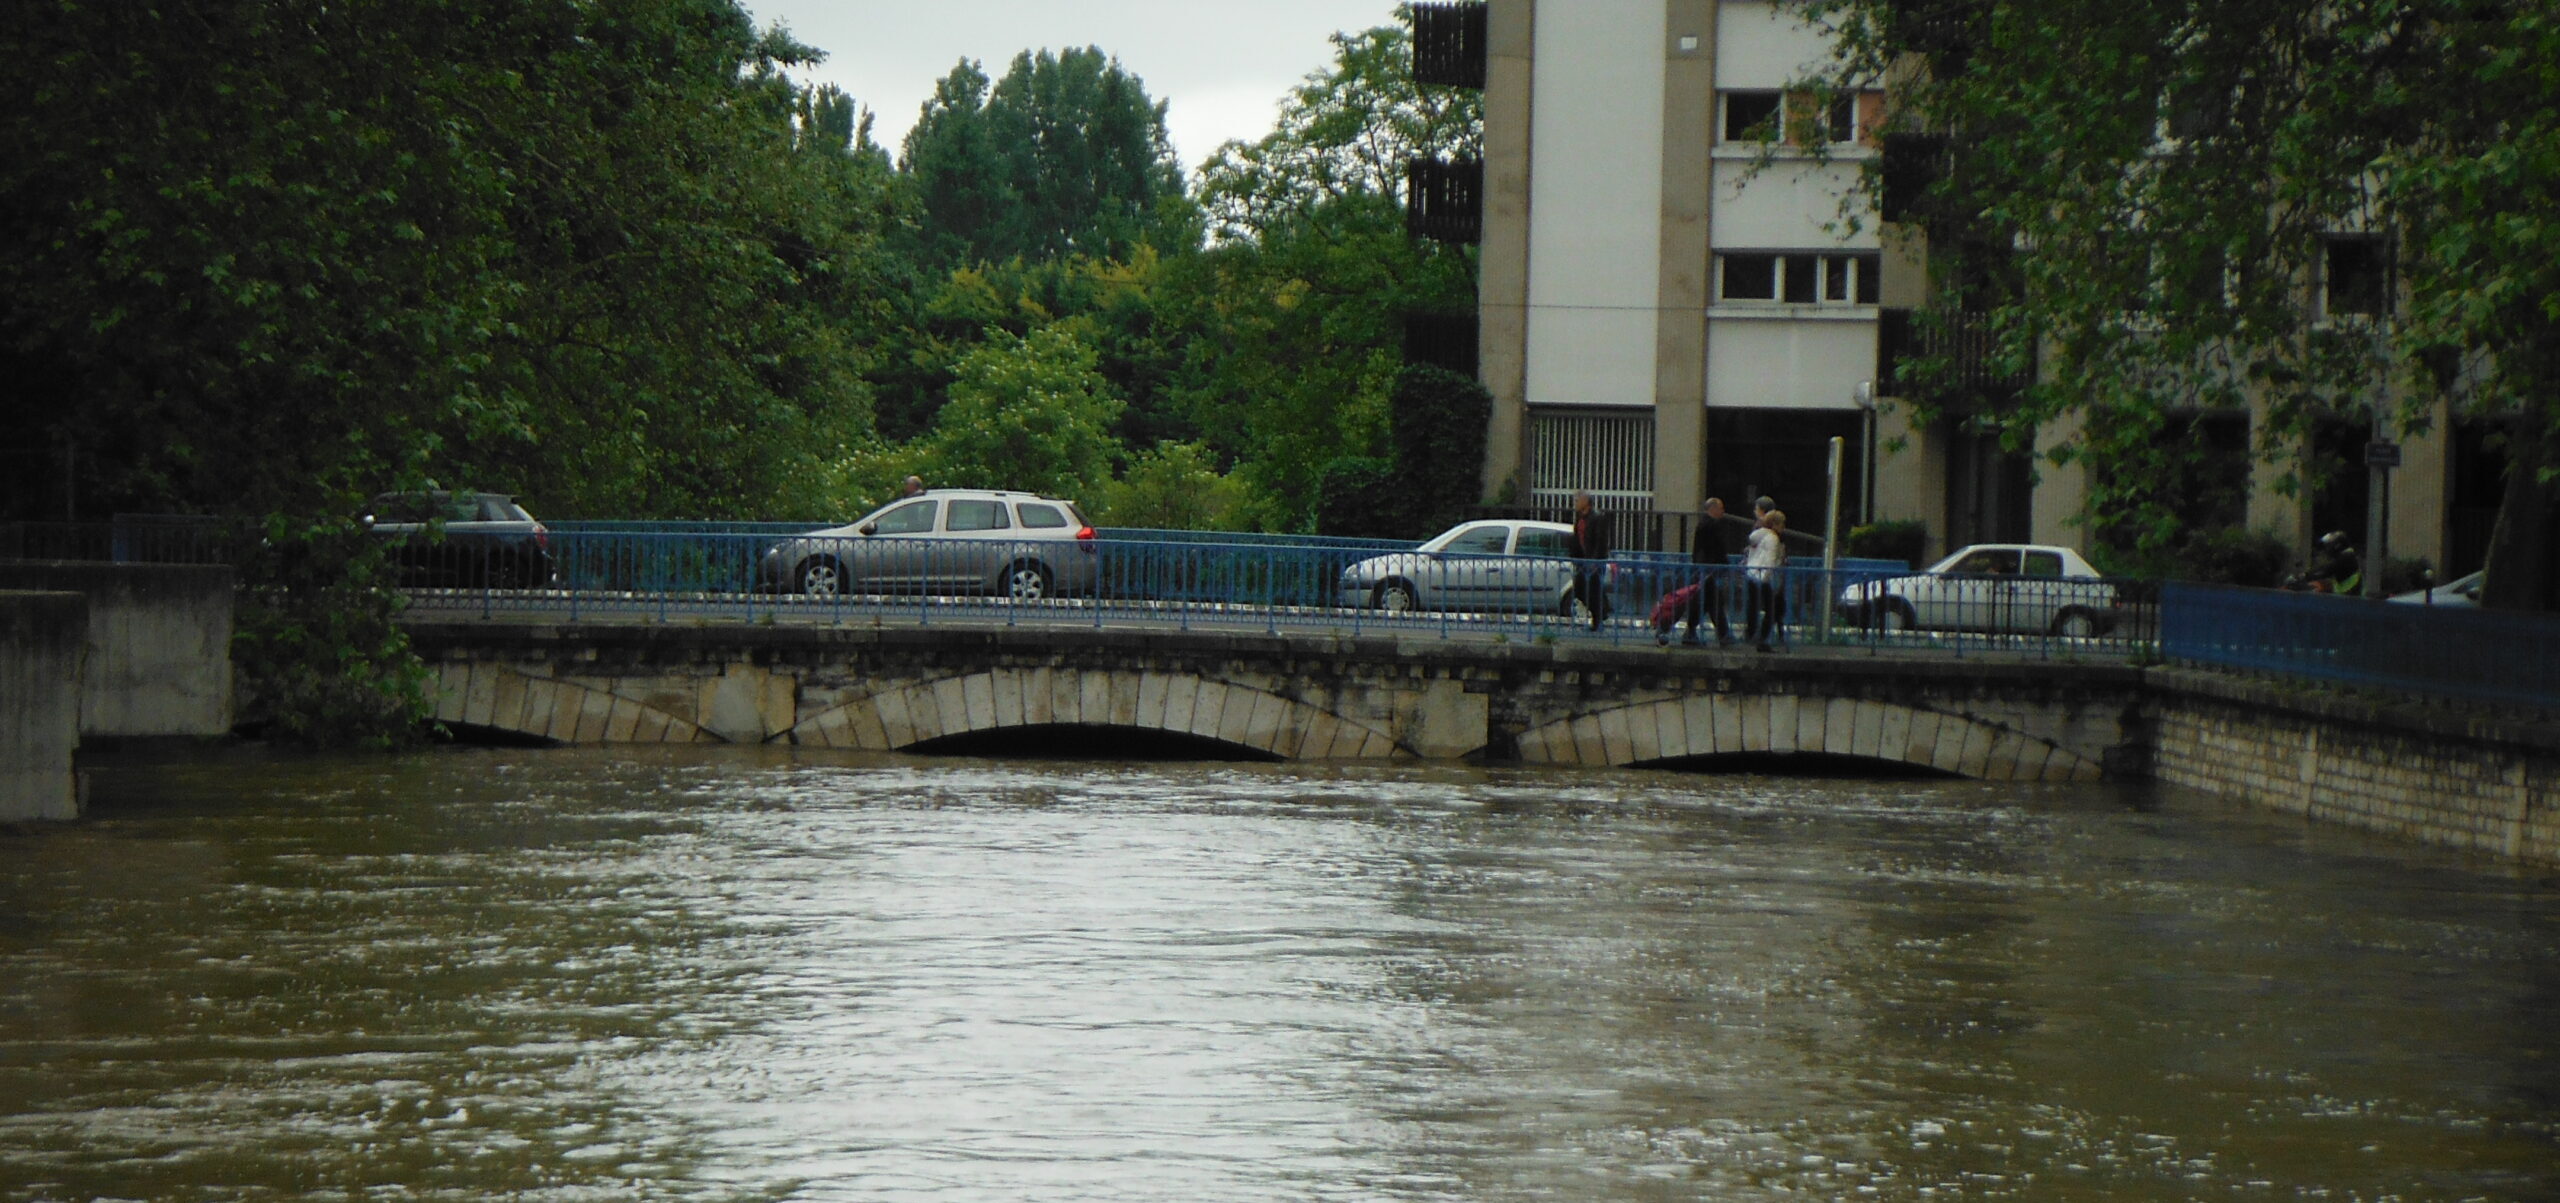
(1084, 539)
(542, 536)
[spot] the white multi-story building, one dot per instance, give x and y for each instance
(1668, 310)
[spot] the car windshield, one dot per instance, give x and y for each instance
(911, 518)
(1982, 561)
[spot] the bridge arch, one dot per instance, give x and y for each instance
(499, 697)
(1007, 697)
(1714, 724)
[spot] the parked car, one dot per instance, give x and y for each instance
(1017, 545)
(1503, 565)
(2009, 587)
(2460, 591)
(440, 537)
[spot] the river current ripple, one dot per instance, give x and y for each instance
(769, 975)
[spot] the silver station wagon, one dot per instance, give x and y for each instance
(1513, 566)
(1017, 545)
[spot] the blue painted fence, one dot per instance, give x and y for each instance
(2449, 651)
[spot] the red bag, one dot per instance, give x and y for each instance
(1667, 612)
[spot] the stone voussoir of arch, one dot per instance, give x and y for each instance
(912, 712)
(1711, 724)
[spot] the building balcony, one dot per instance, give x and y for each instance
(1449, 44)
(1445, 201)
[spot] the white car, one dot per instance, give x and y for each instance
(2022, 588)
(2460, 591)
(1507, 565)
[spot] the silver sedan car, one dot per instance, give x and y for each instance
(1505, 565)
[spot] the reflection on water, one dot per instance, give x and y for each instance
(583, 975)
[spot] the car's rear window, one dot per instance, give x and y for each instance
(975, 513)
(1040, 516)
(2044, 563)
(499, 509)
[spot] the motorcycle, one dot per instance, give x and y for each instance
(2334, 568)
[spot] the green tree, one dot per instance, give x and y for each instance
(1294, 316)
(267, 257)
(1030, 413)
(2154, 182)
(1064, 155)
(1175, 486)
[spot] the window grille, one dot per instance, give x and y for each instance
(1608, 454)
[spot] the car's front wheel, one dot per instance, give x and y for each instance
(2075, 624)
(822, 576)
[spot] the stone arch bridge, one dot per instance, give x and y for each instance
(1312, 696)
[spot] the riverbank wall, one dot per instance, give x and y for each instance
(158, 644)
(2473, 781)
(42, 642)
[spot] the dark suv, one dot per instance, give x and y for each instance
(462, 540)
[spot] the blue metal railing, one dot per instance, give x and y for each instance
(2449, 651)
(1184, 579)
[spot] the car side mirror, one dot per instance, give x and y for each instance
(870, 528)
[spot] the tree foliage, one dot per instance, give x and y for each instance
(1294, 316)
(2138, 196)
(1064, 155)
(267, 257)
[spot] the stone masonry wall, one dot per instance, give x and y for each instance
(2425, 775)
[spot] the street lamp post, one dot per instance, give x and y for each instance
(1865, 396)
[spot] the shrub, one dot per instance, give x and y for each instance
(1904, 539)
(2232, 556)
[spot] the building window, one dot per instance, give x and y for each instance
(1840, 118)
(1798, 279)
(1606, 453)
(2357, 277)
(1756, 115)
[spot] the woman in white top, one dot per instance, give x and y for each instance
(1762, 559)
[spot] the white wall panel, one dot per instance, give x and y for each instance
(1785, 206)
(1782, 363)
(1595, 201)
(1756, 47)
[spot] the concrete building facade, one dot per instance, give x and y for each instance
(1671, 307)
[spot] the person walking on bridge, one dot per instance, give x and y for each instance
(1711, 549)
(1591, 555)
(1764, 567)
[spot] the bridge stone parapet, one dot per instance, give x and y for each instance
(1297, 697)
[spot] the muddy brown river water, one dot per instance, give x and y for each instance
(768, 975)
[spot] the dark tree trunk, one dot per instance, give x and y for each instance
(2521, 569)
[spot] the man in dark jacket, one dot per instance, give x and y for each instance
(1718, 540)
(1591, 553)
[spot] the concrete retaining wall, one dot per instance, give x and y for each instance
(159, 643)
(2428, 775)
(41, 641)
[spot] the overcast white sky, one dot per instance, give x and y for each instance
(1222, 66)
